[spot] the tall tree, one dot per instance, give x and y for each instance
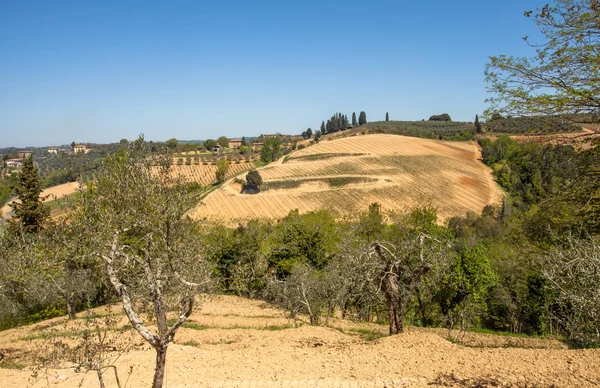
(30, 212)
(354, 119)
(563, 77)
(323, 129)
(362, 118)
(477, 125)
(387, 116)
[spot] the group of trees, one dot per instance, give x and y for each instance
(307, 134)
(271, 150)
(442, 117)
(339, 122)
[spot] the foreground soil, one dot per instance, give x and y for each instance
(235, 342)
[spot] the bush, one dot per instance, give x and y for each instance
(301, 147)
(253, 182)
(442, 117)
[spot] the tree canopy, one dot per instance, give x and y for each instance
(563, 77)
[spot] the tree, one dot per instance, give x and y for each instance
(223, 141)
(243, 141)
(135, 216)
(30, 211)
(442, 117)
(323, 127)
(124, 141)
(563, 76)
(362, 118)
(317, 136)
(387, 116)
(222, 168)
(573, 273)
(253, 181)
(354, 123)
(309, 133)
(478, 128)
(172, 143)
(271, 150)
(72, 146)
(209, 144)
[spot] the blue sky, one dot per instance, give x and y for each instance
(101, 71)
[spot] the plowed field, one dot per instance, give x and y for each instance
(236, 342)
(205, 174)
(348, 174)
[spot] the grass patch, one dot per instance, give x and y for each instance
(10, 364)
(52, 334)
(369, 334)
(193, 343)
(258, 163)
(197, 326)
(331, 182)
(323, 156)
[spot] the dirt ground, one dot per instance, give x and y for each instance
(236, 342)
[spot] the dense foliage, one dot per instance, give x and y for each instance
(442, 117)
(443, 130)
(530, 125)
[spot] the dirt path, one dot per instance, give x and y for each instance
(236, 342)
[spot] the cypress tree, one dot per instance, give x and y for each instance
(30, 212)
(387, 116)
(362, 118)
(323, 130)
(477, 124)
(354, 119)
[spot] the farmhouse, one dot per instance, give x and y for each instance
(217, 148)
(257, 146)
(235, 143)
(14, 163)
(24, 154)
(53, 150)
(80, 148)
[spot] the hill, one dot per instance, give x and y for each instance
(232, 341)
(348, 174)
(441, 130)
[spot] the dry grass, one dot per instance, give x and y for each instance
(396, 171)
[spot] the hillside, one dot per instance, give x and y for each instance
(52, 193)
(348, 174)
(231, 341)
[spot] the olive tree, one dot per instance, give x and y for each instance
(135, 215)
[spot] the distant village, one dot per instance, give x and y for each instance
(17, 162)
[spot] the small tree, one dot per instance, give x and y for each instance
(223, 141)
(354, 119)
(222, 168)
(209, 144)
(387, 116)
(271, 150)
(317, 136)
(135, 216)
(362, 118)
(30, 212)
(253, 181)
(172, 143)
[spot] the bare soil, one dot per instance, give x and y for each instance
(236, 342)
(400, 172)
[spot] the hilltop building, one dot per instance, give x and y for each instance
(234, 143)
(24, 154)
(14, 163)
(257, 146)
(53, 150)
(81, 148)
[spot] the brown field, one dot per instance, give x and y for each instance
(236, 342)
(205, 174)
(348, 174)
(579, 140)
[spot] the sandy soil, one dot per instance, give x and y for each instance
(53, 193)
(246, 343)
(408, 171)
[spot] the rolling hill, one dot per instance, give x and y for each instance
(347, 174)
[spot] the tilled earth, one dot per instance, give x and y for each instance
(236, 342)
